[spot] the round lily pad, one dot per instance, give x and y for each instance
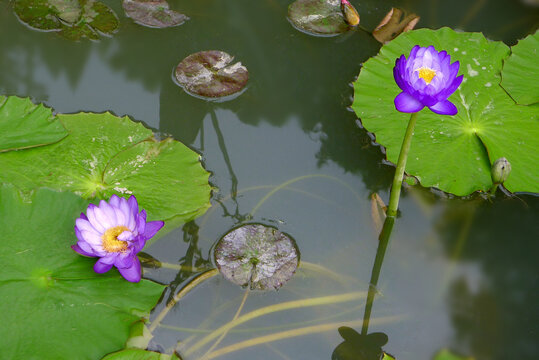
(318, 17)
(74, 19)
(520, 71)
(453, 153)
(257, 255)
(153, 13)
(211, 74)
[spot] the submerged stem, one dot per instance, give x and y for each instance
(401, 165)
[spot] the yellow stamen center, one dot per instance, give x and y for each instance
(426, 74)
(110, 239)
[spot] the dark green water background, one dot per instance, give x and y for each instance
(458, 273)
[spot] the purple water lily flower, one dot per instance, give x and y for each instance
(426, 79)
(115, 232)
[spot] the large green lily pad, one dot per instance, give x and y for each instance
(454, 153)
(105, 155)
(74, 19)
(318, 17)
(54, 306)
(153, 13)
(138, 354)
(257, 255)
(35, 125)
(520, 71)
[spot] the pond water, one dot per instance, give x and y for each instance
(288, 152)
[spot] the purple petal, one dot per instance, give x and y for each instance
(93, 219)
(408, 104)
(83, 217)
(81, 251)
(124, 260)
(132, 273)
(108, 212)
(85, 225)
(114, 201)
(101, 267)
(141, 222)
(133, 205)
(444, 94)
(152, 228)
(125, 236)
(445, 107)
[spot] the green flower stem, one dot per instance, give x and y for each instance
(401, 164)
(383, 241)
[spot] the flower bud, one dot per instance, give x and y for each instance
(500, 170)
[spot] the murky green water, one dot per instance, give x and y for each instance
(460, 274)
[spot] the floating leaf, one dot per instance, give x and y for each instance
(445, 354)
(153, 13)
(138, 354)
(55, 304)
(74, 19)
(520, 72)
(105, 155)
(454, 153)
(393, 24)
(35, 125)
(210, 74)
(358, 346)
(257, 255)
(318, 17)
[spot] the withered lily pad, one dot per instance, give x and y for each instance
(257, 255)
(211, 74)
(74, 19)
(318, 17)
(153, 13)
(393, 24)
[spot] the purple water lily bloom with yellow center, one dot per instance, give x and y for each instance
(426, 78)
(115, 232)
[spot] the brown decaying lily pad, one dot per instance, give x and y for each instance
(211, 74)
(153, 13)
(257, 255)
(393, 24)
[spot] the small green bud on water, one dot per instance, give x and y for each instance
(500, 170)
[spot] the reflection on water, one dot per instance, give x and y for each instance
(288, 153)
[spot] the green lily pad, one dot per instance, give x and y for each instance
(445, 354)
(105, 155)
(153, 13)
(211, 74)
(138, 354)
(74, 19)
(520, 71)
(453, 153)
(36, 125)
(56, 306)
(257, 255)
(318, 17)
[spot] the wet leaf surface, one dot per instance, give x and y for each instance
(453, 153)
(73, 19)
(257, 255)
(36, 125)
(211, 74)
(318, 17)
(104, 155)
(153, 13)
(520, 74)
(393, 24)
(55, 304)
